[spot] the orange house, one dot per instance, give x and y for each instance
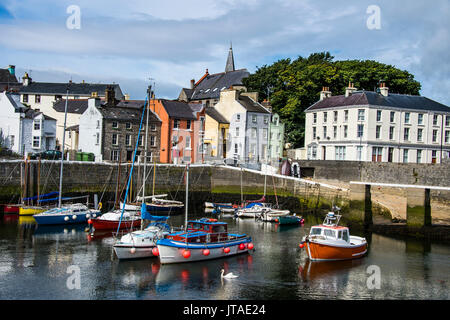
(182, 124)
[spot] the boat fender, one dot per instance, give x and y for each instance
(155, 251)
(226, 250)
(186, 254)
(205, 252)
(242, 246)
(301, 245)
(133, 250)
(99, 206)
(250, 246)
(66, 218)
(212, 220)
(74, 217)
(88, 216)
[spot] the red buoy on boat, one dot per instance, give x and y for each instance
(155, 251)
(301, 245)
(205, 252)
(226, 250)
(186, 254)
(250, 246)
(89, 221)
(242, 246)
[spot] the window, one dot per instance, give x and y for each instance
(11, 141)
(447, 137)
(141, 141)
(447, 121)
(188, 124)
(128, 125)
(335, 116)
(339, 153)
(419, 134)
(266, 119)
(176, 124)
(314, 132)
(378, 132)
(345, 235)
(335, 132)
(97, 138)
(314, 118)
(378, 115)
(114, 139)
(25, 98)
(435, 120)
(407, 114)
(153, 127)
(98, 124)
(325, 117)
(235, 148)
(265, 133)
(115, 155)
(420, 118)
(406, 134)
(405, 155)
(127, 140)
(314, 152)
(36, 142)
(324, 132)
(361, 114)
(152, 141)
(391, 133)
(316, 231)
(359, 152)
(37, 98)
(37, 124)
(377, 154)
(254, 132)
(390, 154)
(329, 233)
(345, 131)
(188, 142)
(392, 117)
(435, 135)
(433, 156)
(237, 131)
(254, 118)
(360, 130)
(238, 117)
(345, 115)
(419, 156)
(115, 124)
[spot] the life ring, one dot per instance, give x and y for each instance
(99, 206)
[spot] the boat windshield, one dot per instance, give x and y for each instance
(316, 231)
(330, 233)
(345, 235)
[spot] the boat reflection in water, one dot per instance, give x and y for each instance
(66, 232)
(314, 270)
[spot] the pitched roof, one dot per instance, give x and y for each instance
(84, 89)
(178, 109)
(125, 114)
(212, 84)
(361, 98)
(31, 114)
(213, 113)
(73, 105)
(230, 61)
(251, 105)
(14, 99)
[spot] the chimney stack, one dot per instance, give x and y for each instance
(192, 83)
(110, 96)
(350, 89)
(26, 80)
(383, 89)
(127, 96)
(12, 70)
(325, 93)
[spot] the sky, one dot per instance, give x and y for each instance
(170, 42)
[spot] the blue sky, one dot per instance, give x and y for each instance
(173, 41)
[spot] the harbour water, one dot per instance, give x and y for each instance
(37, 263)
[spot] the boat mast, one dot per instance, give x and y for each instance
(62, 152)
(149, 96)
(186, 207)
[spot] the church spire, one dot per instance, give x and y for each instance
(230, 61)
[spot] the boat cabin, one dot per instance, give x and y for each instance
(203, 230)
(331, 233)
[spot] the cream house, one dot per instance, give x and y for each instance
(377, 126)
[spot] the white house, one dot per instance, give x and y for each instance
(377, 126)
(249, 125)
(23, 129)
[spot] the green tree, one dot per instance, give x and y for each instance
(293, 86)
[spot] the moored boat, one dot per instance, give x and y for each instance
(110, 220)
(329, 241)
(204, 239)
(12, 208)
(31, 210)
(270, 214)
(68, 214)
(289, 219)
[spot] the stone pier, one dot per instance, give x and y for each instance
(418, 207)
(360, 204)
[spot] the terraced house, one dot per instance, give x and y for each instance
(377, 126)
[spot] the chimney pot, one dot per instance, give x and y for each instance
(192, 83)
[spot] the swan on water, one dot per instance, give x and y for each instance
(228, 275)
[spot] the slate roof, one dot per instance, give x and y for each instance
(251, 105)
(73, 105)
(31, 114)
(178, 109)
(213, 113)
(14, 99)
(125, 114)
(82, 89)
(6, 76)
(212, 84)
(361, 98)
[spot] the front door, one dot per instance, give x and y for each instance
(324, 153)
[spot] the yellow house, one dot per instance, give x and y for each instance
(216, 133)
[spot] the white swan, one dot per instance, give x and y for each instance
(228, 275)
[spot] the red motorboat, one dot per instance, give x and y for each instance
(110, 221)
(11, 208)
